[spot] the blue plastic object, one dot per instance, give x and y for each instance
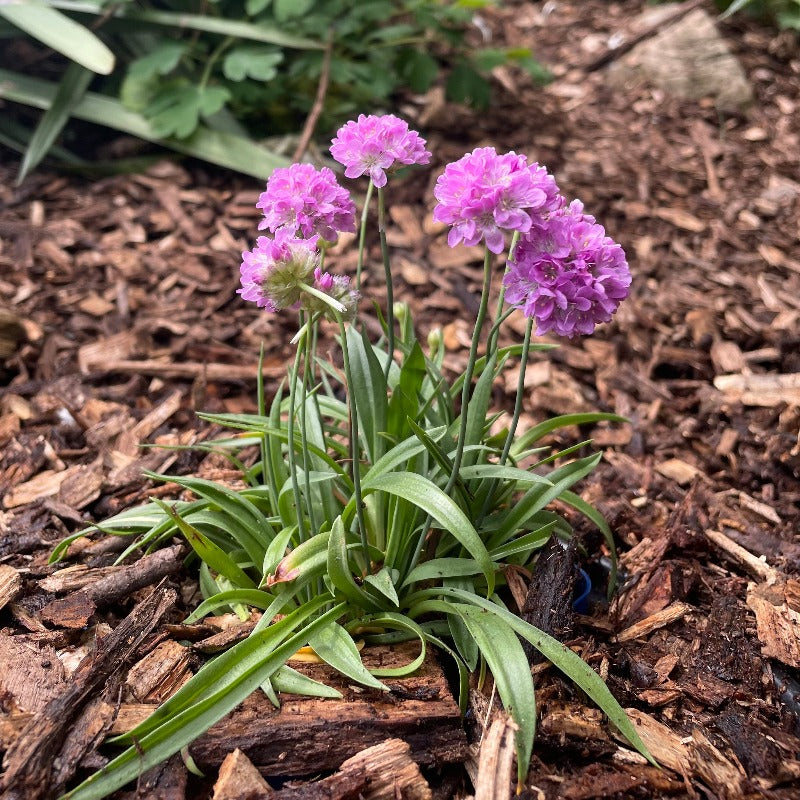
(583, 587)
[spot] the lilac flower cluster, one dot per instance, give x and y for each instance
(305, 199)
(484, 194)
(373, 144)
(567, 274)
(274, 270)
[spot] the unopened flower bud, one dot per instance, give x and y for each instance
(434, 339)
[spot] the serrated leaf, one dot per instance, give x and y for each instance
(259, 63)
(289, 9)
(420, 70)
(161, 60)
(466, 85)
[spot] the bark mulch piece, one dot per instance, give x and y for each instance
(119, 319)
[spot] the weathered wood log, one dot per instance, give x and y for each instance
(309, 735)
(75, 610)
(30, 771)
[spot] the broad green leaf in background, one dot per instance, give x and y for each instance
(260, 63)
(161, 60)
(176, 110)
(287, 9)
(70, 90)
(224, 149)
(62, 33)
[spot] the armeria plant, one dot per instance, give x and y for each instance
(384, 506)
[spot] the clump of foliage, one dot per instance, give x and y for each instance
(211, 79)
(385, 504)
(785, 12)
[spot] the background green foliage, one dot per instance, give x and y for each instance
(785, 12)
(247, 69)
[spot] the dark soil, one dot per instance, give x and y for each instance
(123, 320)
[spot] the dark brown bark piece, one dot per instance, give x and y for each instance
(165, 781)
(548, 604)
(309, 735)
(385, 771)
(29, 762)
(75, 610)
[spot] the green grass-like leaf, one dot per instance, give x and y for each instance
(218, 147)
(60, 32)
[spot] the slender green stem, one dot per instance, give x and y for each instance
(262, 411)
(304, 432)
(523, 366)
(298, 502)
(473, 355)
(355, 446)
(387, 269)
(213, 58)
(362, 233)
(491, 342)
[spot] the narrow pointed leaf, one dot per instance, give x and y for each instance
(62, 33)
(334, 645)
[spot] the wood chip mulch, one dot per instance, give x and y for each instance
(119, 319)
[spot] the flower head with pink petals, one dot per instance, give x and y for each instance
(567, 274)
(373, 144)
(484, 194)
(304, 199)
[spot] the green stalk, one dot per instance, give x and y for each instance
(388, 273)
(491, 342)
(523, 366)
(362, 234)
(473, 355)
(465, 393)
(355, 447)
(301, 527)
(304, 434)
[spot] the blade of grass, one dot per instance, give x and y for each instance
(62, 33)
(70, 90)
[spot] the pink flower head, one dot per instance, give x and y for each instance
(338, 287)
(484, 194)
(274, 272)
(303, 198)
(567, 274)
(373, 144)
